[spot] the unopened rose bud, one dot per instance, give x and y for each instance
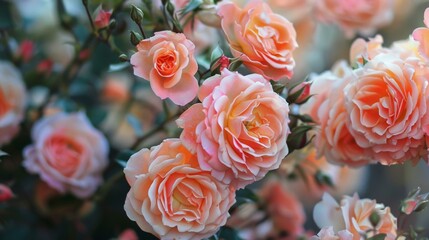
(136, 14)
(84, 54)
(223, 62)
(102, 18)
(26, 49)
(414, 202)
(208, 15)
(300, 93)
(45, 66)
(135, 38)
(5, 193)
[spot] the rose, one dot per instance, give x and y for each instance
(421, 35)
(353, 214)
(285, 210)
(167, 61)
(327, 107)
(171, 197)
(356, 16)
(239, 130)
(327, 233)
(387, 101)
(263, 40)
(12, 101)
(68, 153)
(293, 10)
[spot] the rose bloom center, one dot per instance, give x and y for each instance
(63, 154)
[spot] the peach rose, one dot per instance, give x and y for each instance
(171, 197)
(356, 16)
(12, 101)
(239, 130)
(333, 137)
(421, 35)
(284, 209)
(352, 214)
(293, 10)
(68, 153)
(167, 61)
(387, 102)
(263, 40)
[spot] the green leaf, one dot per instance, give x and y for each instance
(216, 54)
(374, 218)
(118, 66)
(380, 236)
(2, 153)
(191, 6)
(122, 163)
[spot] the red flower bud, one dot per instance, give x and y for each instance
(45, 66)
(223, 62)
(102, 18)
(5, 193)
(26, 49)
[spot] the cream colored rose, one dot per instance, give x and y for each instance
(171, 197)
(12, 101)
(352, 214)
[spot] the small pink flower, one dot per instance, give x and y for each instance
(5, 193)
(167, 61)
(68, 153)
(171, 197)
(263, 40)
(352, 214)
(356, 15)
(239, 130)
(102, 17)
(12, 101)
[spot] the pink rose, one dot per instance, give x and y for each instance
(167, 61)
(293, 10)
(68, 153)
(263, 40)
(239, 130)
(102, 17)
(12, 101)
(356, 16)
(352, 214)
(387, 102)
(327, 107)
(171, 197)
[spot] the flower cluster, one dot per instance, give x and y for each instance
(379, 112)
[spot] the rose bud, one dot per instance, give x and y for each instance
(5, 193)
(102, 18)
